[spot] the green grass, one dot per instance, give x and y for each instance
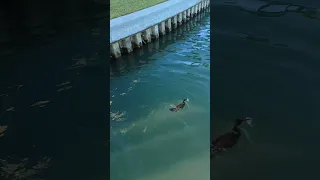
(123, 7)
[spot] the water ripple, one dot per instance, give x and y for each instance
(169, 70)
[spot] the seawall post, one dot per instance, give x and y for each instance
(137, 40)
(175, 22)
(168, 25)
(155, 32)
(179, 19)
(162, 28)
(146, 35)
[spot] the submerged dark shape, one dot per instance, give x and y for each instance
(228, 140)
(179, 106)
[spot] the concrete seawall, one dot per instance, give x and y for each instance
(132, 31)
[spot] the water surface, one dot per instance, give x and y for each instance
(148, 141)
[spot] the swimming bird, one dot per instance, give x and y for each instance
(228, 140)
(179, 106)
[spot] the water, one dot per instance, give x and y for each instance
(266, 65)
(149, 141)
(53, 107)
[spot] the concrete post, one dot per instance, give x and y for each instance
(188, 14)
(137, 40)
(192, 11)
(146, 35)
(115, 50)
(184, 16)
(162, 28)
(179, 19)
(155, 32)
(127, 45)
(168, 24)
(175, 21)
(196, 9)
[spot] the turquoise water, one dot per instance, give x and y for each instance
(266, 65)
(147, 140)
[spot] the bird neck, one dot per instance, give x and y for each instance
(236, 130)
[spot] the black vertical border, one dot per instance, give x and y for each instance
(108, 58)
(211, 78)
(15, 16)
